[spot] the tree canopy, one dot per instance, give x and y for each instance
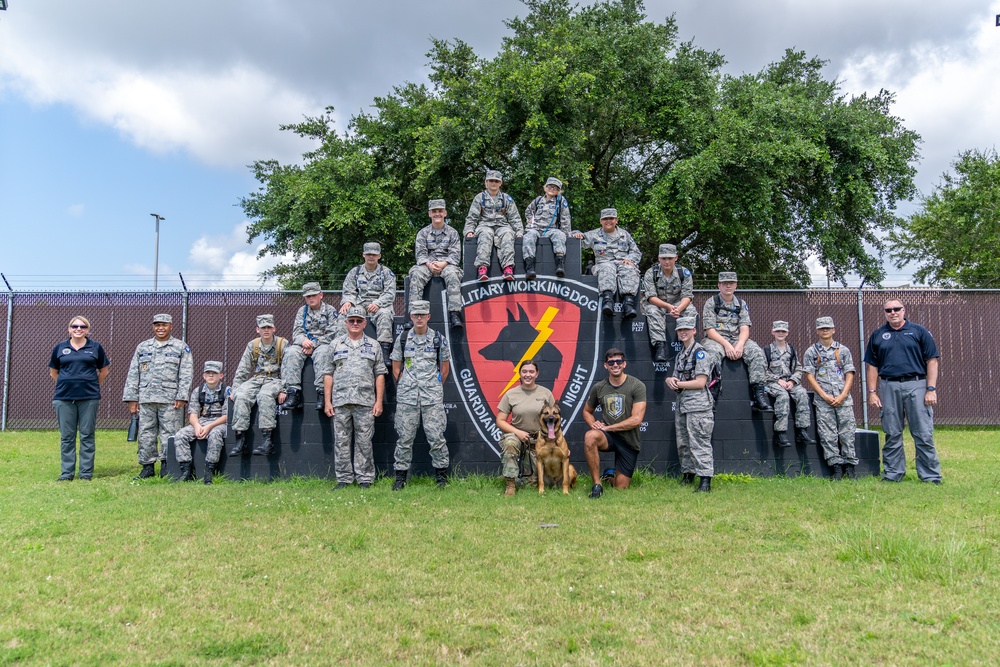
(754, 173)
(955, 235)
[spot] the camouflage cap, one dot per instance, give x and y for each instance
(213, 367)
(552, 180)
(686, 323)
(779, 325)
(311, 288)
(265, 321)
(372, 248)
(420, 307)
(609, 213)
(668, 250)
(824, 323)
(355, 311)
(435, 203)
(727, 277)
(493, 175)
(166, 318)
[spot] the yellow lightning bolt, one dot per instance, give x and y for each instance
(544, 331)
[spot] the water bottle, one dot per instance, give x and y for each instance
(133, 429)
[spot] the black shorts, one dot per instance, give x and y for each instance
(625, 457)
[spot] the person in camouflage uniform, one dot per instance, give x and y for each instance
(207, 415)
(784, 378)
(373, 287)
(420, 363)
(439, 253)
(494, 220)
(667, 289)
(548, 216)
(258, 380)
(517, 417)
(616, 263)
(829, 371)
(726, 319)
(354, 379)
(694, 418)
(316, 324)
(159, 378)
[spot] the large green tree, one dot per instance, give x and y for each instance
(754, 173)
(955, 235)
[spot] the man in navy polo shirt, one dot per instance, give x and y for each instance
(902, 360)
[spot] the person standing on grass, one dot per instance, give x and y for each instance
(622, 399)
(902, 374)
(829, 371)
(517, 417)
(79, 367)
(694, 418)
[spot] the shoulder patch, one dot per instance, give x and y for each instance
(187, 349)
(700, 354)
(686, 273)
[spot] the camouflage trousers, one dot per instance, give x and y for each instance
(694, 442)
(263, 391)
(517, 459)
(530, 240)
(781, 405)
(293, 359)
(216, 438)
(835, 428)
(753, 357)
(353, 423)
(161, 419)
(502, 237)
(656, 320)
(452, 276)
(408, 418)
(382, 319)
(613, 276)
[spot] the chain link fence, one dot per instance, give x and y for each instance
(217, 325)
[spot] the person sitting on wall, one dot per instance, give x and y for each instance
(316, 324)
(784, 381)
(207, 416)
(493, 219)
(258, 380)
(548, 216)
(439, 253)
(667, 290)
(616, 263)
(373, 287)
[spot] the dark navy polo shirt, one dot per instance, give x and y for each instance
(78, 370)
(900, 352)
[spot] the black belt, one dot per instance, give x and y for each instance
(903, 378)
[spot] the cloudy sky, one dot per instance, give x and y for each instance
(114, 109)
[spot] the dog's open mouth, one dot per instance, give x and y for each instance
(552, 429)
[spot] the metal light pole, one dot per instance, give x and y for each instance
(156, 255)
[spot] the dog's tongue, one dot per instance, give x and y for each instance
(552, 431)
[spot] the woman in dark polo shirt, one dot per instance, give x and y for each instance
(78, 366)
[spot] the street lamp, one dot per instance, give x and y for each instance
(156, 256)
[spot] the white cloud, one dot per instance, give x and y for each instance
(228, 262)
(76, 210)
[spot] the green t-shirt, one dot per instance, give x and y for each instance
(616, 404)
(525, 406)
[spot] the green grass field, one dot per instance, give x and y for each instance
(760, 572)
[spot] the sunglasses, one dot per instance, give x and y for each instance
(615, 362)
(894, 310)
(78, 326)
(355, 320)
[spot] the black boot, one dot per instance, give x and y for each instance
(320, 400)
(400, 480)
(848, 471)
(209, 472)
(804, 438)
(760, 402)
(148, 470)
(687, 479)
(386, 353)
(441, 477)
(628, 307)
(560, 266)
(454, 319)
(838, 472)
(241, 440)
(293, 399)
(705, 486)
(783, 440)
(265, 447)
(660, 352)
(607, 303)
(187, 471)
(529, 268)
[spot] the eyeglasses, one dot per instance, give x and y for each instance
(615, 362)
(78, 326)
(355, 320)
(894, 310)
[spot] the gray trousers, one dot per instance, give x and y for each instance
(293, 359)
(420, 275)
(753, 357)
(408, 418)
(216, 439)
(531, 236)
(502, 237)
(353, 423)
(156, 419)
(613, 276)
(73, 417)
(781, 405)
(656, 320)
(904, 401)
(835, 428)
(694, 442)
(263, 391)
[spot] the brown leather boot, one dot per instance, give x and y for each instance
(511, 487)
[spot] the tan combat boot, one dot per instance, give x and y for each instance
(511, 487)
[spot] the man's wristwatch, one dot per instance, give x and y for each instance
(931, 388)
(873, 391)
